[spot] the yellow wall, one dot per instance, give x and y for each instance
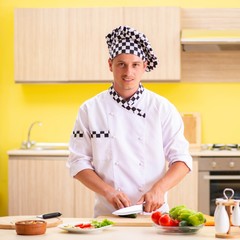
(56, 105)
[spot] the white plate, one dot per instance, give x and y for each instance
(178, 230)
(70, 228)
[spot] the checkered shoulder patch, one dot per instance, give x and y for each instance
(78, 133)
(100, 134)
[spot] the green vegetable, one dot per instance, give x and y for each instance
(186, 215)
(196, 219)
(174, 212)
(103, 223)
(183, 224)
(134, 215)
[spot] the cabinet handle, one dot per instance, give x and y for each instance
(221, 177)
(232, 164)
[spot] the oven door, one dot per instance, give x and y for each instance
(211, 186)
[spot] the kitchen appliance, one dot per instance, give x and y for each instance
(215, 173)
(220, 147)
(210, 40)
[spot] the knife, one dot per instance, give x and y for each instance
(50, 215)
(129, 210)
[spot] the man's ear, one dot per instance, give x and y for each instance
(110, 64)
(145, 65)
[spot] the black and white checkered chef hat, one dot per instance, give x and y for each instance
(125, 39)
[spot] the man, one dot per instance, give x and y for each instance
(123, 137)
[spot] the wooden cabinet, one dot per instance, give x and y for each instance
(68, 45)
(162, 28)
(88, 52)
(41, 45)
(186, 192)
(42, 184)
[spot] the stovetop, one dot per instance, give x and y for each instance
(220, 147)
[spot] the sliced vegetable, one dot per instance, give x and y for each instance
(84, 225)
(103, 223)
(133, 215)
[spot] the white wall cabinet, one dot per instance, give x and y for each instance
(42, 184)
(68, 44)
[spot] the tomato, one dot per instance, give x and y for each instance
(83, 225)
(174, 222)
(155, 217)
(165, 220)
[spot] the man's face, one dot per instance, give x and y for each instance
(127, 72)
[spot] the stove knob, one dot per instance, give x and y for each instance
(231, 164)
(214, 164)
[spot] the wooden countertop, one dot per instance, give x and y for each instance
(115, 232)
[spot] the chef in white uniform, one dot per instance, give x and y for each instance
(123, 137)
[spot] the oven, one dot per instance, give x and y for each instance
(214, 175)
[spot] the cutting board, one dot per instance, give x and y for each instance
(139, 221)
(8, 222)
(192, 128)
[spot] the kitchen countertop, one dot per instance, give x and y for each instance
(23, 152)
(195, 152)
(115, 232)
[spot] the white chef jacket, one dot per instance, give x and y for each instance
(127, 150)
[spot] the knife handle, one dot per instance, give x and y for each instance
(51, 215)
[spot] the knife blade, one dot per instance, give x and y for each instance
(129, 210)
(50, 215)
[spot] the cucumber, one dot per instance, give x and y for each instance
(133, 215)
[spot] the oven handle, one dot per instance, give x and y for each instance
(221, 177)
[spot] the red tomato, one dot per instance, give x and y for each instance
(83, 225)
(156, 216)
(165, 220)
(174, 222)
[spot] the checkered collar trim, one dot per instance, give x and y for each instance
(128, 104)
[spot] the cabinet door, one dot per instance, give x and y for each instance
(84, 201)
(40, 185)
(68, 45)
(186, 192)
(88, 57)
(161, 25)
(41, 45)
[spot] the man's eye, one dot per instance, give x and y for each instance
(121, 64)
(136, 65)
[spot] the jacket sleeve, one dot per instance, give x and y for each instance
(80, 156)
(176, 147)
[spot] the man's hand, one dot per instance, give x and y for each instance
(118, 199)
(91, 180)
(152, 199)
